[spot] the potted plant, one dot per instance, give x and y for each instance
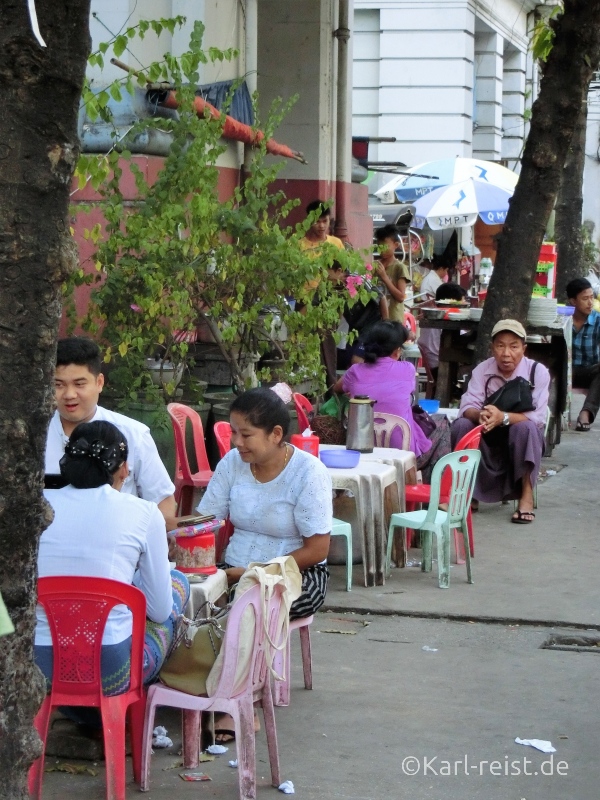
(179, 256)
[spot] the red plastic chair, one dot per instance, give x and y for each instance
(223, 436)
(77, 609)
(185, 482)
(237, 700)
(420, 493)
(410, 322)
(303, 408)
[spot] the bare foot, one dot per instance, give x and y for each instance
(225, 728)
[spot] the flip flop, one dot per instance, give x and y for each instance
(521, 517)
(583, 427)
(221, 732)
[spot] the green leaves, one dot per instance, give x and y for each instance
(177, 256)
(543, 34)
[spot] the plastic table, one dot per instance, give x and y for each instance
(385, 466)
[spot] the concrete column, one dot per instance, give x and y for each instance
(487, 133)
(296, 56)
(413, 78)
(513, 104)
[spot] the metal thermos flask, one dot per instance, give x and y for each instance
(360, 434)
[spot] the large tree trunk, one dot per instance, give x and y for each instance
(38, 152)
(563, 90)
(569, 208)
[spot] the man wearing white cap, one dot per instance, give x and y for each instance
(513, 425)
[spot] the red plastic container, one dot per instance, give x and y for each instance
(195, 548)
(481, 297)
(310, 444)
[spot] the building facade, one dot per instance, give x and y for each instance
(300, 49)
(446, 78)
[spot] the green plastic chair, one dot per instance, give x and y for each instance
(463, 465)
(340, 528)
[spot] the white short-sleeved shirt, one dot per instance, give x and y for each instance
(106, 534)
(269, 519)
(431, 282)
(148, 477)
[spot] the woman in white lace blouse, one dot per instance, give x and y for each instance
(277, 497)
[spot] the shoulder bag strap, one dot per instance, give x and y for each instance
(487, 383)
(532, 374)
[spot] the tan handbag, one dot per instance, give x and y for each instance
(281, 570)
(194, 653)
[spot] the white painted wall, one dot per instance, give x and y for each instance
(224, 23)
(445, 77)
(223, 19)
(591, 176)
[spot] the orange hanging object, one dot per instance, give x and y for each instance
(232, 129)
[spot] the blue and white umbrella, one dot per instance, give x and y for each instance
(445, 172)
(459, 205)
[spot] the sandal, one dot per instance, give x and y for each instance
(224, 736)
(583, 427)
(522, 517)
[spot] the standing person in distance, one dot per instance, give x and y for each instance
(393, 274)
(586, 349)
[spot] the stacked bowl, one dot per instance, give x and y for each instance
(542, 311)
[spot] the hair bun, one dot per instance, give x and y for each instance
(109, 456)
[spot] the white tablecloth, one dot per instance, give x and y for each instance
(212, 590)
(368, 481)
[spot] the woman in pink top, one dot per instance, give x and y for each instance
(390, 383)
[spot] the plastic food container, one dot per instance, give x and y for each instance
(340, 459)
(306, 441)
(194, 550)
(430, 406)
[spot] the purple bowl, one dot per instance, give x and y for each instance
(566, 311)
(339, 459)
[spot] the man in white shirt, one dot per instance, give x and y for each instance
(431, 281)
(78, 384)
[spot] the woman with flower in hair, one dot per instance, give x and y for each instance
(101, 532)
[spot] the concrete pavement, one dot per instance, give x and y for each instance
(383, 707)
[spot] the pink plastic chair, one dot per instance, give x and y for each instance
(238, 703)
(384, 426)
(77, 609)
(421, 492)
(223, 436)
(185, 482)
(303, 408)
(281, 689)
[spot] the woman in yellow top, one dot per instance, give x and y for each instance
(314, 239)
(318, 233)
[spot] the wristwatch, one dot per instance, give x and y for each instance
(505, 421)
